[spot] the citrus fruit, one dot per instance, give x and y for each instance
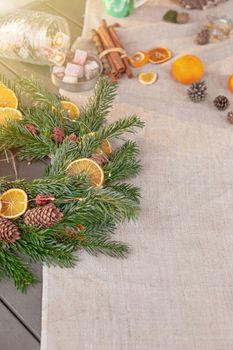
(8, 113)
(14, 203)
(188, 69)
(147, 78)
(139, 59)
(230, 83)
(106, 148)
(7, 97)
(71, 108)
(88, 166)
(159, 55)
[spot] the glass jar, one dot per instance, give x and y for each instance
(34, 37)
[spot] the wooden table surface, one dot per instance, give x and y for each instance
(20, 321)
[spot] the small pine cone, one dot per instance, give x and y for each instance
(203, 37)
(72, 138)
(197, 92)
(31, 128)
(221, 103)
(8, 231)
(57, 135)
(182, 18)
(43, 217)
(230, 117)
(100, 159)
(42, 199)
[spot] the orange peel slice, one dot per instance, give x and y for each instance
(147, 78)
(139, 59)
(14, 203)
(88, 166)
(159, 55)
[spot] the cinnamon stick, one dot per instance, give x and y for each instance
(118, 43)
(100, 48)
(109, 44)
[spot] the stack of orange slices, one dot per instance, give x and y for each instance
(8, 105)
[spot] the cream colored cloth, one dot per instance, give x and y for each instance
(175, 291)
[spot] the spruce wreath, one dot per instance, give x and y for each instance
(82, 196)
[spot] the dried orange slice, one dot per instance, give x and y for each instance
(88, 166)
(14, 203)
(71, 108)
(106, 148)
(7, 97)
(8, 113)
(159, 55)
(147, 78)
(139, 59)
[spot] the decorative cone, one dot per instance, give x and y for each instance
(197, 92)
(45, 216)
(221, 103)
(8, 231)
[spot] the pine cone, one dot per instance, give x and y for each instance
(8, 231)
(197, 92)
(230, 117)
(203, 37)
(100, 159)
(182, 18)
(45, 216)
(221, 103)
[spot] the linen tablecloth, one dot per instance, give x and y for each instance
(175, 291)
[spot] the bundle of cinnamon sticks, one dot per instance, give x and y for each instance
(111, 51)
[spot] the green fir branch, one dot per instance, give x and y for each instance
(96, 110)
(16, 270)
(96, 245)
(121, 126)
(42, 246)
(39, 94)
(123, 163)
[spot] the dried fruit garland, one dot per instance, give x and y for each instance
(82, 197)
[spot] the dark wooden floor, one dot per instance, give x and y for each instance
(20, 314)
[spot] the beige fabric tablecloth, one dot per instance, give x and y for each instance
(175, 291)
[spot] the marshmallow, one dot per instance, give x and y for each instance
(61, 40)
(91, 70)
(70, 79)
(72, 69)
(80, 57)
